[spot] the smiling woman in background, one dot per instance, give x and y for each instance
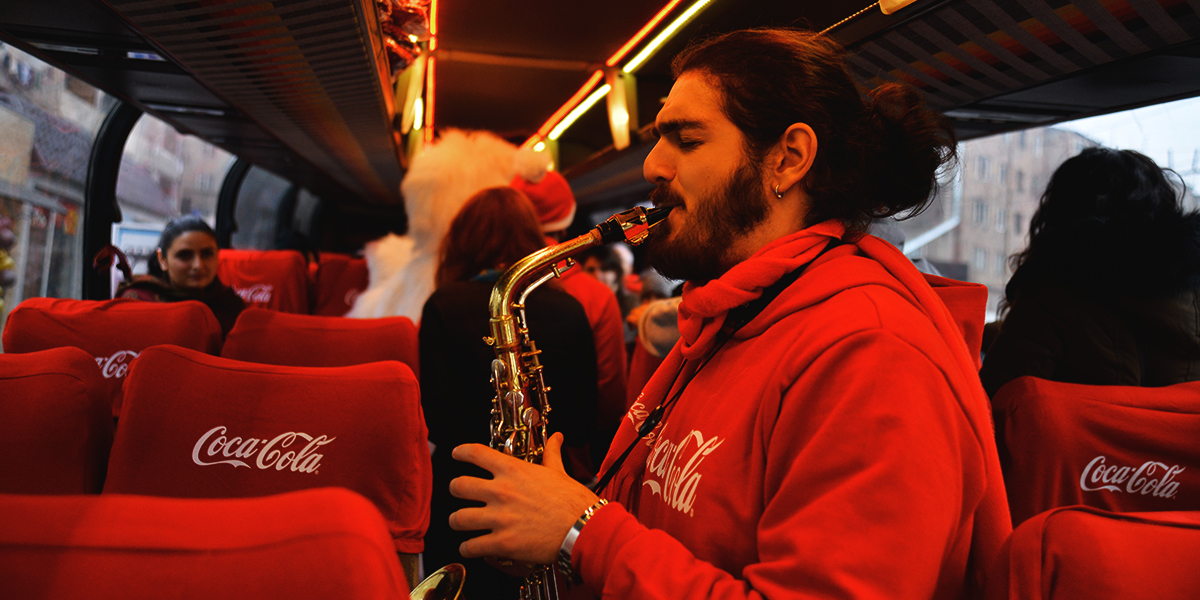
(186, 269)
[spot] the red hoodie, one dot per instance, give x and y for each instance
(840, 445)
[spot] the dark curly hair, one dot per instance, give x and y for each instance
(879, 151)
(1101, 211)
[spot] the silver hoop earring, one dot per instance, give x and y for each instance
(778, 195)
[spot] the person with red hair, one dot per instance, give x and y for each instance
(495, 228)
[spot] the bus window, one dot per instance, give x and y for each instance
(258, 203)
(164, 174)
(48, 120)
(978, 222)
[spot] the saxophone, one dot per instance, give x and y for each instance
(520, 408)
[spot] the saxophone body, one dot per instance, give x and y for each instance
(520, 408)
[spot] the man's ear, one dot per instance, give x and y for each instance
(793, 157)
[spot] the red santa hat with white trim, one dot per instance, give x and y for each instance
(547, 189)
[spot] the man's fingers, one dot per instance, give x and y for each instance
(552, 454)
(472, 519)
(472, 488)
(484, 457)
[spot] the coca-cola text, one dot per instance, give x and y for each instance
(1151, 479)
(271, 454)
(117, 364)
(678, 470)
(260, 293)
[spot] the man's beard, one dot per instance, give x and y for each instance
(700, 252)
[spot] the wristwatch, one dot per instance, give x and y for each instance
(564, 551)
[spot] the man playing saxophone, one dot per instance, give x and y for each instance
(820, 429)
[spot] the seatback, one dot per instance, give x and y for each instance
(113, 332)
(1118, 448)
(200, 426)
(1080, 552)
(57, 423)
(276, 338)
(339, 280)
(313, 544)
(274, 279)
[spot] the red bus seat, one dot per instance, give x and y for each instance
(1118, 448)
(275, 338)
(1080, 552)
(114, 332)
(57, 423)
(313, 544)
(274, 279)
(200, 426)
(339, 279)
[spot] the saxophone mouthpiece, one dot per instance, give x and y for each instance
(655, 215)
(632, 226)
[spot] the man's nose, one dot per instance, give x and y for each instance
(657, 168)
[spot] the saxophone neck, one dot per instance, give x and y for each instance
(632, 226)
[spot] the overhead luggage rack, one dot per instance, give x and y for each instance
(312, 74)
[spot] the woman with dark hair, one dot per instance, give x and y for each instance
(185, 268)
(1108, 290)
(495, 228)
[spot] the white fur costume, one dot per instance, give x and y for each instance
(438, 183)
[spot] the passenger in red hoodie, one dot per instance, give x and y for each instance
(819, 430)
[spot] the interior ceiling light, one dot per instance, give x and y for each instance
(418, 114)
(429, 72)
(641, 34)
(573, 108)
(578, 112)
(662, 38)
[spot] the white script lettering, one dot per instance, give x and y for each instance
(117, 364)
(272, 454)
(678, 471)
(1152, 478)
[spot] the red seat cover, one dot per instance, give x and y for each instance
(339, 280)
(274, 279)
(112, 331)
(1081, 552)
(57, 423)
(200, 426)
(276, 338)
(314, 544)
(1123, 449)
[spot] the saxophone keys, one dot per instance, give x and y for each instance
(499, 371)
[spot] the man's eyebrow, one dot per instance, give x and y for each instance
(672, 126)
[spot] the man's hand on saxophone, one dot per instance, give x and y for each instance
(529, 507)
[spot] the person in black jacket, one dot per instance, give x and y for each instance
(496, 227)
(1108, 290)
(185, 268)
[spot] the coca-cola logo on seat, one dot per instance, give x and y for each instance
(117, 365)
(260, 293)
(279, 453)
(1151, 479)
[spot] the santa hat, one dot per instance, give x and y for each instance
(552, 198)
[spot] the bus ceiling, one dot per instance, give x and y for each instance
(303, 88)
